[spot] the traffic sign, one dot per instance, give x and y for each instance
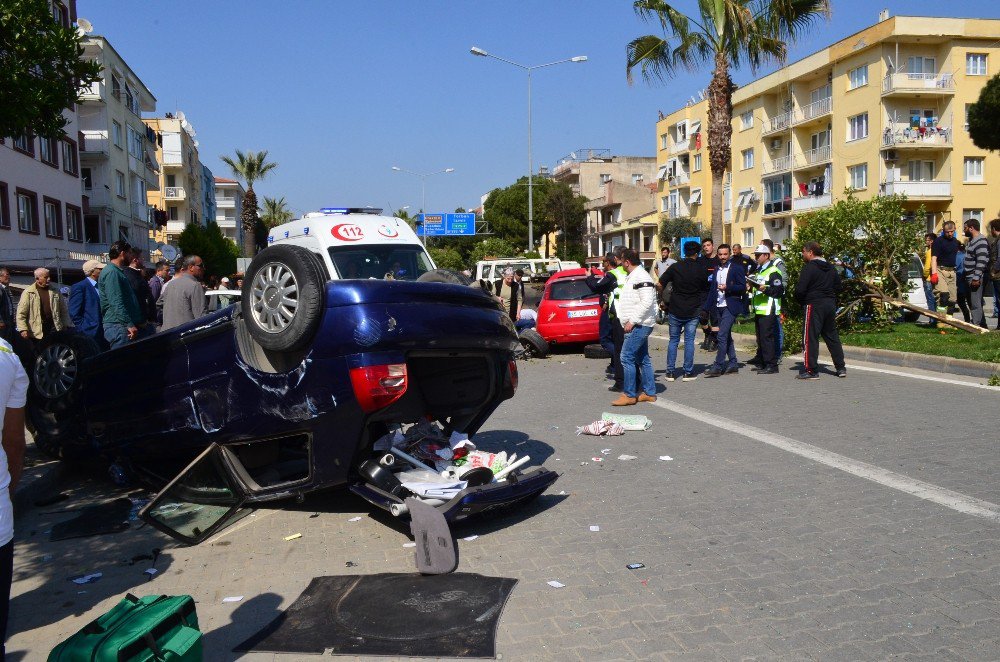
(443, 225)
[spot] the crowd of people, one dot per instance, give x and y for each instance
(959, 275)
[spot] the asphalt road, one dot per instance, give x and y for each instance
(836, 519)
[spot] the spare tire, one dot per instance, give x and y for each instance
(534, 344)
(446, 276)
(596, 351)
(283, 297)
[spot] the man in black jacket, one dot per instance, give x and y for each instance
(689, 279)
(817, 291)
(604, 286)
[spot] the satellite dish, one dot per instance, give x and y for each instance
(168, 252)
(181, 116)
(195, 143)
(84, 25)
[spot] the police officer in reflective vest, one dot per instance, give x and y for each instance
(768, 287)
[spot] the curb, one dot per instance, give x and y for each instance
(944, 364)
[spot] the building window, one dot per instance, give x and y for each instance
(25, 143)
(974, 169)
(858, 176)
(696, 166)
(605, 178)
(747, 158)
(53, 217)
(967, 106)
(748, 238)
(857, 127)
(664, 140)
(116, 92)
(172, 215)
(636, 180)
(746, 120)
(119, 183)
(682, 132)
(4, 208)
(975, 64)
(60, 15)
(69, 157)
(134, 143)
(27, 211)
(88, 179)
(777, 194)
(665, 203)
(969, 214)
(74, 223)
(116, 132)
(858, 77)
(47, 151)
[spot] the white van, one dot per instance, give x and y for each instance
(535, 270)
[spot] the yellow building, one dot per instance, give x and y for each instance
(180, 191)
(882, 112)
(683, 174)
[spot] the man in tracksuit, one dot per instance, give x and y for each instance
(768, 287)
(817, 290)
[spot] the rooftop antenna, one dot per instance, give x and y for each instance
(701, 95)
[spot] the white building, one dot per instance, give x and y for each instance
(229, 208)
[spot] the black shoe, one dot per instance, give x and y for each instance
(842, 373)
(671, 375)
(690, 376)
(807, 375)
(713, 372)
(615, 388)
(714, 346)
(755, 361)
(732, 371)
(704, 345)
(768, 370)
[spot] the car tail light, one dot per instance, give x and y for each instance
(510, 381)
(378, 386)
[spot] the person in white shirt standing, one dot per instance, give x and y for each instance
(13, 394)
(637, 313)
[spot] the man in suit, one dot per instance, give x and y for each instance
(7, 323)
(727, 287)
(85, 304)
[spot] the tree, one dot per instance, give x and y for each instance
(569, 218)
(727, 33)
(672, 230)
(251, 167)
(217, 251)
(276, 212)
(41, 69)
(494, 247)
(984, 116)
(507, 210)
(447, 258)
(872, 242)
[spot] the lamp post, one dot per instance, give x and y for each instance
(475, 50)
(423, 189)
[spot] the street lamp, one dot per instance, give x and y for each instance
(475, 50)
(423, 187)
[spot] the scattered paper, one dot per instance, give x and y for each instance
(293, 536)
(355, 519)
(597, 459)
(555, 584)
(635, 566)
(469, 538)
(150, 571)
(595, 528)
(605, 451)
(666, 458)
(86, 579)
(409, 544)
(627, 457)
(233, 598)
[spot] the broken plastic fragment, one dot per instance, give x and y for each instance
(666, 458)
(409, 544)
(555, 584)
(595, 528)
(635, 566)
(150, 571)
(623, 456)
(597, 459)
(293, 536)
(469, 538)
(233, 598)
(605, 451)
(87, 579)
(355, 519)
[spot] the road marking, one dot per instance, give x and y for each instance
(918, 488)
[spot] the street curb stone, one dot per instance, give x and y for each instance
(944, 364)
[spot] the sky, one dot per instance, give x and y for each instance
(338, 92)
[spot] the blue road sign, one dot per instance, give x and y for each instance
(443, 225)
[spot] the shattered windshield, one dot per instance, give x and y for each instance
(403, 261)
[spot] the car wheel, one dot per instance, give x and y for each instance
(283, 297)
(910, 316)
(596, 352)
(533, 343)
(446, 276)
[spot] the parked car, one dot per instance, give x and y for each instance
(344, 331)
(569, 311)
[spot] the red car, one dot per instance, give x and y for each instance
(569, 311)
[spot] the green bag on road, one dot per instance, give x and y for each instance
(155, 627)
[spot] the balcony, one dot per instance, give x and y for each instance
(776, 207)
(678, 147)
(923, 84)
(776, 124)
(679, 178)
(813, 157)
(910, 138)
(810, 202)
(172, 158)
(922, 190)
(677, 211)
(174, 193)
(813, 111)
(94, 145)
(777, 165)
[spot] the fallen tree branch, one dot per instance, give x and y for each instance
(940, 317)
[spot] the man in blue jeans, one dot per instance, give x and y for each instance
(690, 282)
(637, 314)
(726, 290)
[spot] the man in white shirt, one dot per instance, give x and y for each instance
(13, 395)
(637, 314)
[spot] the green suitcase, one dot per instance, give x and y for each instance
(155, 627)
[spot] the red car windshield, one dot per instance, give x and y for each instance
(570, 290)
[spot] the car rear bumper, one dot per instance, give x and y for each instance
(566, 333)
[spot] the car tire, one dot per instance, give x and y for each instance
(595, 351)
(446, 276)
(910, 316)
(283, 297)
(533, 343)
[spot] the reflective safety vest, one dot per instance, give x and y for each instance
(760, 302)
(620, 276)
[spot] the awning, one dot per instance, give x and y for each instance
(695, 198)
(661, 174)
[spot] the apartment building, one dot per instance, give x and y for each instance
(208, 204)
(229, 208)
(881, 112)
(180, 192)
(620, 198)
(683, 176)
(118, 164)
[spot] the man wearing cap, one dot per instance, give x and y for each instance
(85, 304)
(225, 299)
(768, 286)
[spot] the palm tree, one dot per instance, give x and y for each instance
(276, 212)
(728, 33)
(251, 167)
